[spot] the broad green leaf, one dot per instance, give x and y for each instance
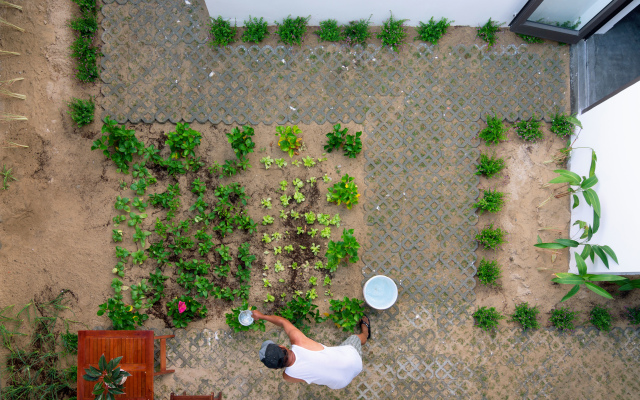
(576, 201)
(587, 196)
(563, 179)
(592, 169)
(564, 274)
(595, 200)
(571, 292)
(582, 266)
(631, 284)
(598, 290)
(600, 253)
(586, 250)
(90, 378)
(610, 252)
(102, 363)
(589, 182)
(574, 178)
(572, 280)
(553, 246)
(607, 278)
(567, 242)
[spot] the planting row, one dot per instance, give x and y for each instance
(82, 48)
(291, 31)
(176, 244)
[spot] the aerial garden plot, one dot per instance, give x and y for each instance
(178, 173)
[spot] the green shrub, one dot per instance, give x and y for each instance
(601, 318)
(241, 142)
(489, 166)
(563, 125)
(562, 318)
(491, 237)
(487, 318)
(357, 32)
(346, 313)
(489, 272)
(633, 315)
(301, 310)
(81, 111)
(292, 30)
(393, 33)
(255, 30)
(330, 31)
(221, 33)
(86, 25)
(345, 251)
(529, 130)
(232, 320)
(86, 55)
(487, 32)
(192, 311)
(526, 316)
(530, 39)
(432, 31)
(119, 144)
(183, 141)
(495, 132)
(491, 201)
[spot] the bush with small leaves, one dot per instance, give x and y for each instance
(563, 125)
(487, 318)
(357, 32)
(529, 130)
(81, 111)
(488, 31)
(393, 33)
(489, 165)
(489, 272)
(491, 237)
(221, 32)
(491, 201)
(633, 315)
(432, 31)
(562, 318)
(255, 30)
(495, 132)
(601, 318)
(530, 39)
(291, 30)
(526, 316)
(330, 31)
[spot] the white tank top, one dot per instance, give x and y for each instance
(334, 367)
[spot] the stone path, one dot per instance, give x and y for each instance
(421, 114)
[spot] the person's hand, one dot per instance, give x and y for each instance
(257, 315)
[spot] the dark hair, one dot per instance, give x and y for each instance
(286, 358)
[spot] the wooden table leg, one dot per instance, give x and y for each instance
(163, 355)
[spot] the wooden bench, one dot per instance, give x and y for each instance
(136, 349)
(184, 396)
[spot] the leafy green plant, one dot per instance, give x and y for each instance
(345, 251)
(183, 141)
(352, 145)
(300, 311)
(344, 192)
(489, 165)
(234, 323)
(297, 183)
(221, 33)
(530, 39)
(266, 203)
(267, 161)
(491, 237)
(315, 249)
(156, 279)
(346, 313)
(255, 30)
(633, 315)
(432, 31)
(489, 272)
(281, 163)
(326, 178)
(526, 316)
(109, 377)
(563, 125)
(488, 32)
(118, 144)
(241, 141)
(562, 318)
(267, 220)
(295, 215)
(185, 309)
(393, 33)
(122, 316)
(298, 197)
(284, 199)
(291, 30)
(309, 162)
(86, 25)
(487, 318)
(289, 141)
(81, 111)
(325, 233)
(491, 201)
(329, 31)
(7, 177)
(357, 32)
(312, 180)
(529, 130)
(583, 278)
(82, 48)
(495, 132)
(601, 318)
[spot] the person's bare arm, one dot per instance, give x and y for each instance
(290, 379)
(295, 335)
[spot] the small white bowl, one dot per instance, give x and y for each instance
(380, 292)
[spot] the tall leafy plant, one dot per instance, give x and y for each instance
(583, 278)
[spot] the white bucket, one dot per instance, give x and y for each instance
(380, 292)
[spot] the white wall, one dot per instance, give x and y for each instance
(464, 12)
(613, 130)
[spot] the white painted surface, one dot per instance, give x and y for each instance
(613, 130)
(605, 28)
(463, 12)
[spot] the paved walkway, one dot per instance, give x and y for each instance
(421, 113)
